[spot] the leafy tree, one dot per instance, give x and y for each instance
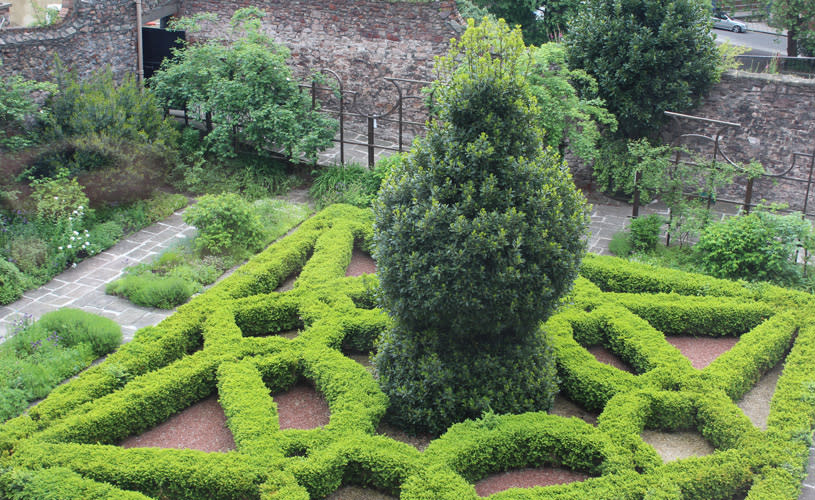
(798, 18)
(648, 56)
(478, 234)
(571, 112)
(248, 90)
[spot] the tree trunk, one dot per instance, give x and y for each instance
(792, 43)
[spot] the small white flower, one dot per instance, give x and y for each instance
(72, 238)
(70, 218)
(69, 246)
(87, 242)
(76, 233)
(73, 265)
(80, 207)
(56, 197)
(59, 248)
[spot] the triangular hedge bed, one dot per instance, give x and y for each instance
(223, 341)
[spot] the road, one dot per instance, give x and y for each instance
(761, 44)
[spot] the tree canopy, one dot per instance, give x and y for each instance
(248, 89)
(648, 56)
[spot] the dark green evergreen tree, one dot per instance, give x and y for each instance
(478, 234)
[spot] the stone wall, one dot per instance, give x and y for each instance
(777, 118)
(90, 34)
(363, 41)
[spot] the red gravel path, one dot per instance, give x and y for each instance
(701, 351)
(527, 478)
(361, 263)
(603, 355)
(202, 426)
(302, 407)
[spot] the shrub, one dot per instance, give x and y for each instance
(246, 92)
(17, 106)
(224, 222)
(478, 234)
(57, 198)
(76, 327)
(11, 282)
(28, 253)
(107, 233)
(755, 247)
(165, 292)
(40, 355)
(645, 232)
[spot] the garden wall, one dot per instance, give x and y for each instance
(363, 41)
(89, 34)
(777, 118)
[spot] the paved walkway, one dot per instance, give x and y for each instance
(83, 287)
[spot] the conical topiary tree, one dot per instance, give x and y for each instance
(478, 234)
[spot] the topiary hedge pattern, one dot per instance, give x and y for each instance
(223, 341)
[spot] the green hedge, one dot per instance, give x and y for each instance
(224, 341)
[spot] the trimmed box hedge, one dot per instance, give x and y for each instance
(224, 341)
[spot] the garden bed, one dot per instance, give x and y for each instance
(628, 307)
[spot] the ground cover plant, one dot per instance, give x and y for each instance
(39, 355)
(229, 229)
(224, 342)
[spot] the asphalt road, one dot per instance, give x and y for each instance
(761, 44)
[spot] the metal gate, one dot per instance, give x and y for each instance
(157, 46)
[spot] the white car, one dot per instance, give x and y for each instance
(723, 21)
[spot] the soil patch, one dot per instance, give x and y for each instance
(527, 478)
(288, 283)
(358, 493)
(756, 403)
(419, 441)
(361, 263)
(565, 407)
(701, 351)
(302, 407)
(603, 355)
(202, 426)
(675, 445)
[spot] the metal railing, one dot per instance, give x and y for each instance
(800, 161)
(346, 108)
(797, 66)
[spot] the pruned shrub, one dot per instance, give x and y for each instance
(478, 234)
(645, 232)
(164, 292)
(79, 327)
